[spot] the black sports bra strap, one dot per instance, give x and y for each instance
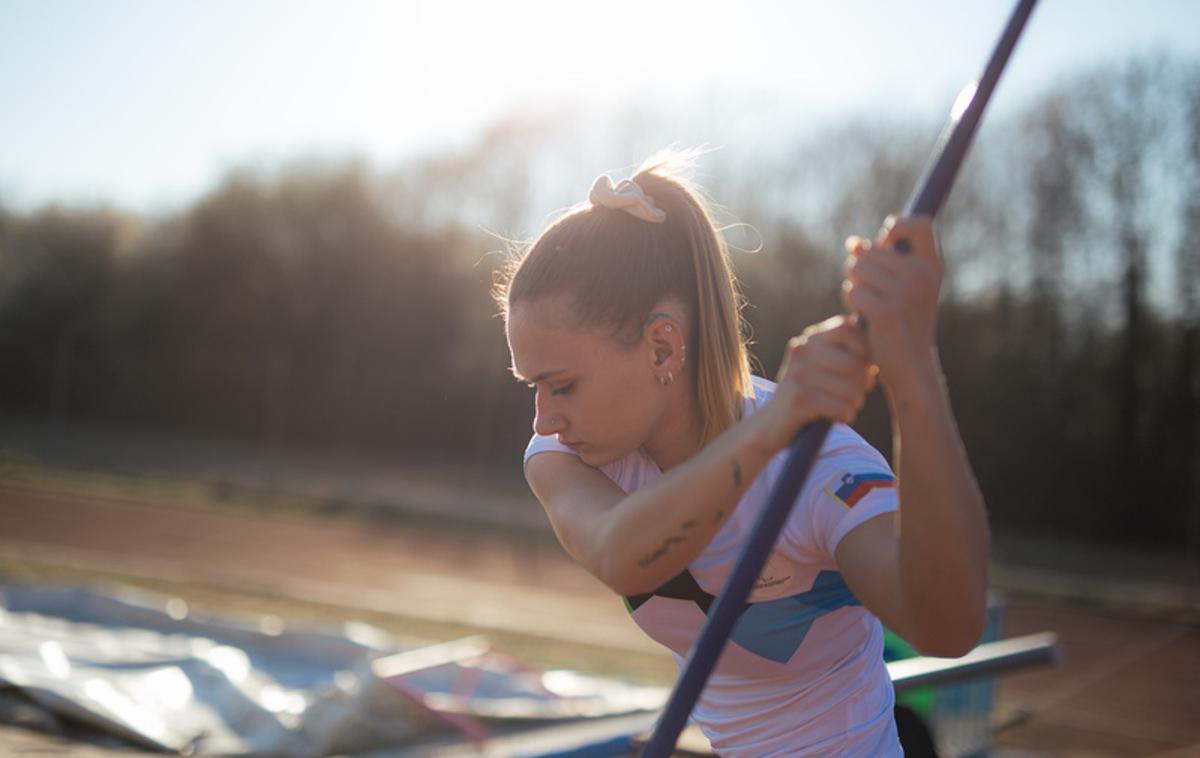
(682, 587)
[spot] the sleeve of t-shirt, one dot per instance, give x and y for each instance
(617, 470)
(542, 443)
(850, 483)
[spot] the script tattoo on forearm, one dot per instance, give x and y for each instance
(661, 550)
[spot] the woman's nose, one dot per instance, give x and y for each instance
(545, 420)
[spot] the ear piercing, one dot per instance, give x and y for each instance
(670, 377)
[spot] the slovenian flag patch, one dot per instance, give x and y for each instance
(849, 488)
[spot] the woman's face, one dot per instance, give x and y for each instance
(601, 398)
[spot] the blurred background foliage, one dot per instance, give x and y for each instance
(336, 306)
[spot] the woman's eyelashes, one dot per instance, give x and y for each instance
(565, 389)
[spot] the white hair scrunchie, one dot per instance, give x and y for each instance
(627, 196)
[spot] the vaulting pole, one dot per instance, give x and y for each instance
(931, 191)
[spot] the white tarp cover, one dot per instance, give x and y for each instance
(142, 667)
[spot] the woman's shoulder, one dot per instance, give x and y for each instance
(628, 472)
(762, 390)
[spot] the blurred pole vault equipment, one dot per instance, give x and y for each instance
(931, 191)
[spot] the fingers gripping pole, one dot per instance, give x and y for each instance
(931, 191)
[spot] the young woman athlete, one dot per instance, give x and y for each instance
(654, 450)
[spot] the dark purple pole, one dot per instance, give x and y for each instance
(926, 200)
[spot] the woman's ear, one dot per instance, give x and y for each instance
(664, 337)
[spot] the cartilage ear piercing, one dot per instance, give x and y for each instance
(669, 328)
(670, 376)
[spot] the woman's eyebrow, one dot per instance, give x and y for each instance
(539, 378)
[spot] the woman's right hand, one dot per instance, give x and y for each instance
(825, 374)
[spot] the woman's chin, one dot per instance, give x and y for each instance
(596, 458)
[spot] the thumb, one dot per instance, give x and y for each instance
(856, 245)
(909, 234)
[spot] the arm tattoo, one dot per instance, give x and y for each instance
(660, 551)
(737, 474)
(678, 539)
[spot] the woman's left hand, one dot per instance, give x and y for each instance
(923, 570)
(897, 293)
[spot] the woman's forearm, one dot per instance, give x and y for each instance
(655, 532)
(944, 542)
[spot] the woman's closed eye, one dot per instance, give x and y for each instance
(563, 390)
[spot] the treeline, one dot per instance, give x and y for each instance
(345, 308)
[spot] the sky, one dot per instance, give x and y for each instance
(145, 104)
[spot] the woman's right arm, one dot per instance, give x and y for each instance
(635, 542)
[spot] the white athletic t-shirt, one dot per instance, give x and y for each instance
(803, 672)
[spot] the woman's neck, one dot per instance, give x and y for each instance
(680, 435)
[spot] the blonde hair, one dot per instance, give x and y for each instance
(614, 268)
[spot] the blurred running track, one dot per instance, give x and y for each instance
(1129, 684)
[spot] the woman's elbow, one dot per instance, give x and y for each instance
(952, 640)
(626, 588)
(947, 647)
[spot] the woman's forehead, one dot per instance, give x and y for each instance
(532, 324)
(548, 311)
(542, 338)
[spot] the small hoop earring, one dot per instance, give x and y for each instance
(670, 377)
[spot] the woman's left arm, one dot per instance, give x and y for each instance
(923, 571)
